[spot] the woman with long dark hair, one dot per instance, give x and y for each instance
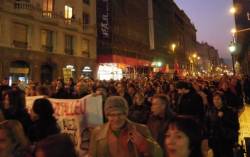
(183, 137)
(44, 123)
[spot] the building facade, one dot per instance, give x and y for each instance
(175, 35)
(45, 39)
(209, 57)
(123, 38)
(136, 37)
(241, 56)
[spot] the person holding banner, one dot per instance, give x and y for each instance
(120, 136)
(44, 123)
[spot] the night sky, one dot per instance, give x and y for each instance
(212, 21)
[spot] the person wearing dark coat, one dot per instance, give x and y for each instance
(60, 92)
(44, 123)
(222, 127)
(189, 102)
(139, 111)
(230, 99)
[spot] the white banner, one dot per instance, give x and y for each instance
(76, 117)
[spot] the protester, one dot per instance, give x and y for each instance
(121, 91)
(14, 107)
(13, 142)
(60, 91)
(140, 110)
(59, 145)
(189, 102)
(4, 86)
(222, 128)
(183, 138)
(121, 137)
(160, 114)
(44, 123)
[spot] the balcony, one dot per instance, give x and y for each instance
(69, 51)
(20, 44)
(72, 23)
(47, 48)
(23, 7)
(49, 14)
(50, 17)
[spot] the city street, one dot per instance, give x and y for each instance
(124, 78)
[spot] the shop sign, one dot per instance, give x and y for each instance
(19, 70)
(67, 74)
(104, 18)
(87, 69)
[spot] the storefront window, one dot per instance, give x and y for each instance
(109, 71)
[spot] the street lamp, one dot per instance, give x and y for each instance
(173, 46)
(194, 59)
(232, 49)
(232, 10)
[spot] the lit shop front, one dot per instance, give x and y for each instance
(108, 71)
(116, 67)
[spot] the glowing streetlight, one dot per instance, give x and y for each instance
(173, 46)
(194, 55)
(232, 48)
(233, 31)
(232, 10)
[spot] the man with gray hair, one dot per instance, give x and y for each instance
(121, 137)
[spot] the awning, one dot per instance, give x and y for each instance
(122, 60)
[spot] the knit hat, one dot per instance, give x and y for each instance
(116, 103)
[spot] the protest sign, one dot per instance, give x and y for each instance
(76, 117)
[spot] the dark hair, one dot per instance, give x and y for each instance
(16, 100)
(59, 145)
(192, 129)
(43, 108)
(183, 84)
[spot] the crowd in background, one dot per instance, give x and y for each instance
(213, 105)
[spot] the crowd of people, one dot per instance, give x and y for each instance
(144, 117)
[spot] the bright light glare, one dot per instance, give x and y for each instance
(173, 46)
(232, 48)
(233, 30)
(232, 10)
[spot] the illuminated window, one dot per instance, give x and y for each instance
(48, 6)
(68, 12)
(46, 40)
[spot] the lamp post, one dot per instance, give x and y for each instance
(194, 59)
(175, 63)
(232, 49)
(241, 11)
